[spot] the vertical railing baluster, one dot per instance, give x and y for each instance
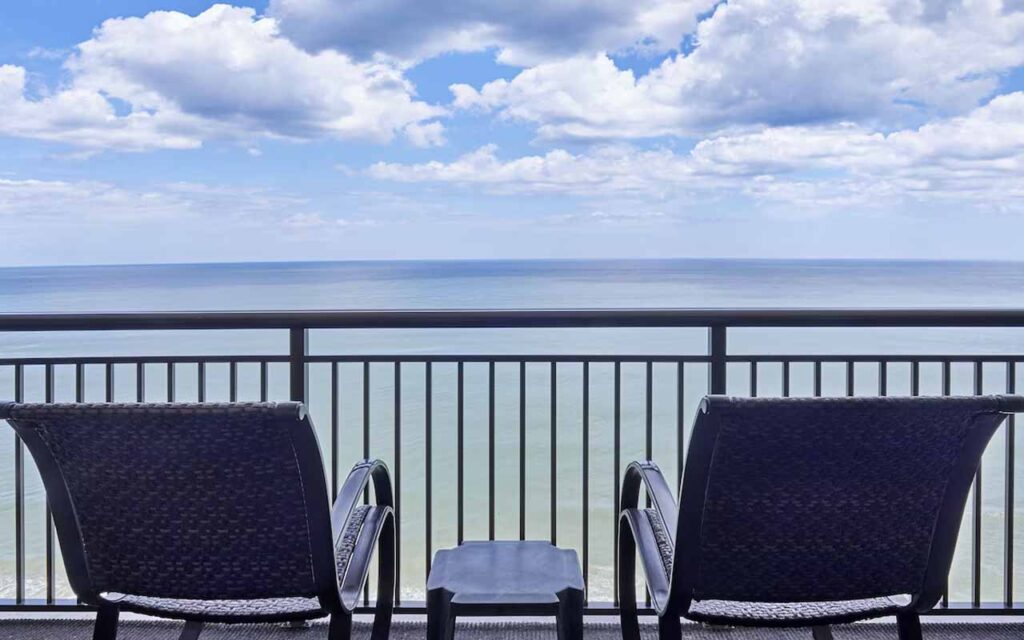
(586, 475)
(298, 366)
(459, 447)
(947, 384)
(19, 496)
(717, 350)
(522, 450)
(553, 454)
(817, 378)
(976, 528)
(883, 379)
(170, 382)
(648, 437)
(335, 428)
(850, 378)
(680, 422)
(785, 378)
(915, 378)
(753, 379)
(398, 482)
(109, 395)
(50, 561)
(264, 382)
(79, 382)
(140, 382)
(201, 381)
(366, 450)
(649, 412)
(490, 452)
(1008, 508)
(616, 463)
(233, 381)
(366, 422)
(428, 460)
(80, 397)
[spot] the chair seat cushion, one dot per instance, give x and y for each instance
(794, 613)
(262, 609)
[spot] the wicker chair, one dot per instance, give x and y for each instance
(208, 513)
(806, 512)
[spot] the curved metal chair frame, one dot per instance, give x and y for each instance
(668, 536)
(341, 539)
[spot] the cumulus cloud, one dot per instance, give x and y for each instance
(525, 32)
(169, 80)
(771, 62)
(977, 157)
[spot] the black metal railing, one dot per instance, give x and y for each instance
(564, 471)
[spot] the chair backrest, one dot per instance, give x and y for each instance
(816, 499)
(203, 501)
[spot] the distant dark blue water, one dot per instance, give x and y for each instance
(504, 284)
(512, 284)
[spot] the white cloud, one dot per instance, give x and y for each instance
(603, 169)
(771, 62)
(430, 134)
(525, 32)
(90, 201)
(976, 158)
(43, 53)
(169, 80)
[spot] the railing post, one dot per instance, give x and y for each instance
(298, 368)
(716, 355)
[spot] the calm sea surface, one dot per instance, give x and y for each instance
(511, 284)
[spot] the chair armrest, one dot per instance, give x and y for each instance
(647, 474)
(351, 494)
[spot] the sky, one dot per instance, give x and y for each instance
(151, 131)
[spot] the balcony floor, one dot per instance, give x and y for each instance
(81, 629)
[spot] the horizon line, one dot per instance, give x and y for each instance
(511, 260)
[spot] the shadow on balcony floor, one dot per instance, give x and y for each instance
(158, 630)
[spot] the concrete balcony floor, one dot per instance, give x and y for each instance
(79, 628)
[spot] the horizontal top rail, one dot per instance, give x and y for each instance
(513, 318)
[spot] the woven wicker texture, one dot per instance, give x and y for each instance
(665, 548)
(795, 613)
(346, 544)
(221, 610)
(183, 501)
(828, 499)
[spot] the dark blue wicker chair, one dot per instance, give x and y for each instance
(208, 513)
(806, 512)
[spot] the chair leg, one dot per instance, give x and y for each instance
(340, 627)
(821, 632)
(909, 625)
(627, 584)
(191, 631)
(669, 627)
(106, 623)
(385, 604)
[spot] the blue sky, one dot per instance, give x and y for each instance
(176, 131)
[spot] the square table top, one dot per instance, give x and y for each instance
(502, 572)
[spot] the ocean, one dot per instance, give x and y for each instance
(502, 285)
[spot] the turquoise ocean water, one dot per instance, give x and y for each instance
(512, 284)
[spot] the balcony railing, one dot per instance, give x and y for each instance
(511, 445)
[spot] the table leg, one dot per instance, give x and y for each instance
(440, 618)
(570, 615)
